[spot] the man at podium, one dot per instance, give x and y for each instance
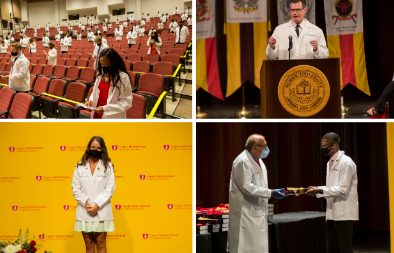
(303, 39)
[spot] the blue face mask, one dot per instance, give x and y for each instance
(265, 153)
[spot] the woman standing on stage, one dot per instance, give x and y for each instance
(93, 187)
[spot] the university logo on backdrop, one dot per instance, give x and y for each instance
(142, 177)
(344, 10)
(38, 178)
(63, 148)
(166, 147)
(170, 206)
(114, 147)
(11, 149)
(203, 10)
(15, 208)
(343, 17)
(66, 207)
(41, 237)
(145, 236)
(246, 11)
(118, 207)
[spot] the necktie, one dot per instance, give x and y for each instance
(298, 31)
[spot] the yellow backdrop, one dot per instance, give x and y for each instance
(390, 154)
(153, 169)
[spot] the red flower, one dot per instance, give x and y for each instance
(22, 251)
(33, 249)
(33, 243)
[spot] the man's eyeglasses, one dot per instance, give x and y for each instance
(264, 146)
(296, 10)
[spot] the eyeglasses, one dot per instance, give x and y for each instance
(324, 145)
(296, 10)
(264, 146)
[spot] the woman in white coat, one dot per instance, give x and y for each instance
(79, 36)
(51, 55)
(64, 44)
(93, 186)
(118, 34)
(154, 43)
(112, 94)
(131, 37)
(3, 47)
(33, 46)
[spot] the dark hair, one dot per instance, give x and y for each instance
(51, 44)
(297, 1)
(332, 137)
(156, 37)
(104, 153)
(117, 65)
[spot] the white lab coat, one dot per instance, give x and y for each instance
(148, 19)
(121, 27)
(189, 21)
(57, 37)
(183, 34)
(45, 41)
(132, 37)
(176, 11)
(33, 47)
(173, 26)
(249, 194)
(157, 45)
(184, 16)
(23, 42)
(163, 19)
(64, 46)
(118, 34)
(104, 41)
(150, 32)
(142, 22)
(52, 57)
(158, 14)
(19, 78)
(119, 100)
(189, 11)
(124, 24)
(160, 26)
(70, 39)
(141, 31)
(99, 188)
(104, 28)
(96, 52)
(302, 49)
(4, 49)
(79, 36)
(341, 189)
(90, 36)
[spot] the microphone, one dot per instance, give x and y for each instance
(290, 44)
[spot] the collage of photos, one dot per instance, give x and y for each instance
(196, 126)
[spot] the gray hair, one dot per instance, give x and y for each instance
(333, 137)
(250, 142)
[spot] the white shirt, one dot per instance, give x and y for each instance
(341, 189)
(79, 36)
(45, 41)
(141, 31)
(183, 34)
(176, 11)
(189, 11)
(57, 37)
(302, 49)
(33, 47)
(158, 14)
(160, 26)
(52, 57)
(173, 26)
(118, 34)
(104, 28)
(4, 48)
(163, 19)
(142, 22)
(96, 189)
(19, 78)
(189, 21)
(132, 37)
(90, 36)
(83, 27)
(64, 44)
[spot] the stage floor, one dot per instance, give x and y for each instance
(357, 101)
(371, 242)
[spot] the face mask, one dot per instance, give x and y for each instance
(325, 151)
(98, 44)
(14, 53)
(106, 69)
(265, 153)
(50, 47)
(94, 153)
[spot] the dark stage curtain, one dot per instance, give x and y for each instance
(295, 161)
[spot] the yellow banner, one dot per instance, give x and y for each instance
(152, 203)
(390, 152)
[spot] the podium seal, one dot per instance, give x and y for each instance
(303, 91)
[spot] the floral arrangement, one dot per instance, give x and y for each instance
(20, 245)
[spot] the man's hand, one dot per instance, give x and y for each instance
(99, 109)
(6, 77)
(314, 44)
(278, 194)
(89, 103)
(313, 190)
(272, 42)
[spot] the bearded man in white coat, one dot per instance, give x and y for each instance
(249, 194)
(340, 192)
(308, 40)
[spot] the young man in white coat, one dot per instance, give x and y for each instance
(91, 37)
(308, 40)
(340, 192)
(51, 55)
(45, 40)
(19, 77)
(132, 36)
(118, 34)
(181, 32)
(249, 194)
(173, 25)
(96, 52)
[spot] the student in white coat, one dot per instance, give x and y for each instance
(160, 25)
(154, 43)
(51, 55)
(100, 46)
(19, 77)
(47, 30)
(308, 40)
(163, 18)
(70, 39)
(150, 31)
(104, 28)
(38, 26)
(45, 40)
(35, 34)
(64, 44)
(32, 46)
(189, 21)
(176, 11)
(132, 37)
(184, 16)
(136, 27)
(340, 192)
(158, 14)
(109, 26)
(148, 18)
(189, 11)
(173, 25)
(124, 24)
(132, 19)
(112, 94)
(57, 37)
(249, 194)
(181, 33)
(79, 36)
(3, 47)
(93, 186)
(121, 27)
(7, 41)
(118, 34)
(24, 42)
(83, 28)
(91, 37)
(141, 31)
(106, 20)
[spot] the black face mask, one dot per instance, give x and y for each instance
(95, 153)
(98, 44)
(325, 151)
(50, 47)
(14, 53)
(106, 69)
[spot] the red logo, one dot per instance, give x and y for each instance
(170, 206)
(41, 236)
(63, 148)
(66, 207)
(166, 147)
(12, 149)
(145, 236)
(114, 147)
(142, 177)
(38, 178)
(118, 207)
(15, 208)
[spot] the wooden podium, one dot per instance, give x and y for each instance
(271, 74)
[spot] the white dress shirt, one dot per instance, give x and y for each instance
(19, 78)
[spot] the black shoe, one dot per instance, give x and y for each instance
(373, 113)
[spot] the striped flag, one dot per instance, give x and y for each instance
(345, 36)
(247, 41)
(207, 63)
